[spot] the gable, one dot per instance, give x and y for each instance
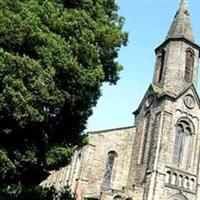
(150, 91)
(190, 98)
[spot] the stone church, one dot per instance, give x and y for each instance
(159, 157)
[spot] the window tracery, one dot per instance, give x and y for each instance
(182, 144)
(177, 197)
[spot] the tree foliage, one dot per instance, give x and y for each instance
(54, 57)
(17, 192)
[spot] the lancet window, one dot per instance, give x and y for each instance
(182, 144)
(189, 64)
(161, 62)
(108, 170)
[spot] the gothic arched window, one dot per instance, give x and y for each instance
(109, 168)
(143, 146)
(118, 197)
(189, 64)
(182, 144)
(161, 62)
(177, 197)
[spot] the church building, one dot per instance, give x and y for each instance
(158, 158)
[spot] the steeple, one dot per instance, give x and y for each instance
(177, 57)
(181, 25)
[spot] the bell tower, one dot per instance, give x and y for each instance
(177, 57)
(165, 159)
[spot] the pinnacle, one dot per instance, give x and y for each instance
(181, 25)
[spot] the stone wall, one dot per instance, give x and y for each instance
(86, 170)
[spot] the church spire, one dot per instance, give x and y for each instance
(181, 26)
(177, 57)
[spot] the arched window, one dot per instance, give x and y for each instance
(189, 64)
(118, 197)
(168, 177)
(186, 182)
(146, 125)
(177, 197)
(192, 185)
(161, 62)
(180, 181)
(174, 179)
(182, 144)
(109, 168)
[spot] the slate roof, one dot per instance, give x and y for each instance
(181, 25)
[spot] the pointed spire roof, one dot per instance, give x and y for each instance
(181, 25)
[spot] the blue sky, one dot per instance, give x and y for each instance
(147, 22)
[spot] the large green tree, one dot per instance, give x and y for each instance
(54, 57)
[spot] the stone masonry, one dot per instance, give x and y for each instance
(158, 157)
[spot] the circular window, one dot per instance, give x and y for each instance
(189, 101)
